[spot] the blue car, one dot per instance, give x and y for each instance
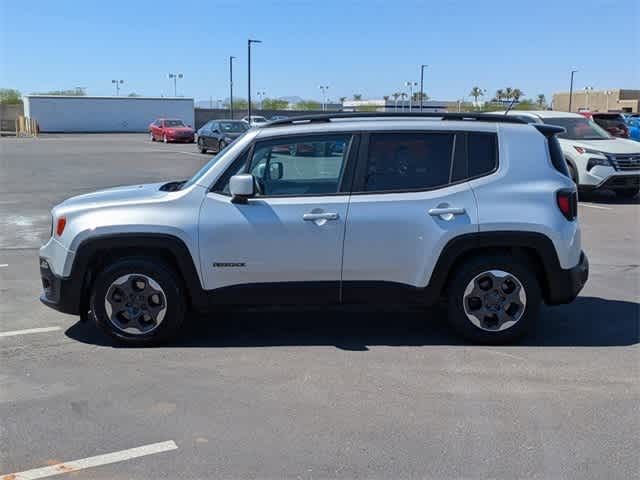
(633, 124)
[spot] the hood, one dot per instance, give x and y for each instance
(614, 145)
(232, 135)
(180, 129)
(113, 196)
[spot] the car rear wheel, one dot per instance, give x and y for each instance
(493, 299)
(138, 302)
(151, 137)
(627, 192)
(201, 146)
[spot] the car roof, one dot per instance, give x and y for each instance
(543, 113)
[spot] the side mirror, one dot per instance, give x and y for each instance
(275, 170)
(241, 187)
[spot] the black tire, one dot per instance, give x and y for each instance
(221, 145)
(465, 273)
(627, 192)
(153, 139)
(164, 276)
(201, 146)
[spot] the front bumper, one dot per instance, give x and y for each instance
(564, 285)
(617, 182)
(62, 294)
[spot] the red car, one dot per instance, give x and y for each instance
(612, 122)
(171, 130)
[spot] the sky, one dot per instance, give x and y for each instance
(367, 47)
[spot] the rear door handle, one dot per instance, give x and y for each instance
(435, 212)
(311, 217)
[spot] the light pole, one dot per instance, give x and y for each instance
(249, 42)
(117, 83)
(571, 89)
(175, 77)
(324, 89)
(261, 96)
(231, 86)
(586, 92)
(411, 85)
(422, 84)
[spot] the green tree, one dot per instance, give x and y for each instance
(500, 95)
(75, 92)
(386, 98)
(308, 105)
(508, 93)
(274, 104)
(357, 96)
(541, 100)
(134, 94)
(10, 96)
(417, 95)
(476, 92)
(516, 93)
(238, 104)
(342, 99)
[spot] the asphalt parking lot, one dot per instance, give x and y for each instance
(337, 393)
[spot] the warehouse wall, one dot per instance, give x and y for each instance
(104, 114)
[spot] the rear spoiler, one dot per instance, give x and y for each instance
(548, 130)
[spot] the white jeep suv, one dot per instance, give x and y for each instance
(332, 209)
(596, 159)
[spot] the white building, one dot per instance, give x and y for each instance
(391, 105)
(58, 113)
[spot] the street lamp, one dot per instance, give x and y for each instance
(571, 89)
(231, 86)
(175, 77)
(249, 42)
(586, 91)
(324, 89)
(411, 85)
(117, 83)
(422, 84)
(261, 96)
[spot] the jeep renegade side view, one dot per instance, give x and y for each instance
(333, 209)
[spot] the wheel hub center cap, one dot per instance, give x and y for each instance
(493, 299)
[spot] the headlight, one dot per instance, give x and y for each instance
(594, 161)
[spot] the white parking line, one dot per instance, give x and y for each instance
(89, 462)
(194, 154)
(595, 206)
(13, 333)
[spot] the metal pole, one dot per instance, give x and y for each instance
(249, 80)
(422, 85)
(231, 86)
(571, 89)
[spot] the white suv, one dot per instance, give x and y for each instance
(331, 209)
(596, 159)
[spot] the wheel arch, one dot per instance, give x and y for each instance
(534, 248)
(94, 254)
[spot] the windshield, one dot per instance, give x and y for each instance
(173, 123)
(608, 121)
(258, 119)
(579, 129)
(205, 168)
(233, 127)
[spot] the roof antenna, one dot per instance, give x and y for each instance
(513, 100)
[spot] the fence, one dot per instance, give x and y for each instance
(26, 127)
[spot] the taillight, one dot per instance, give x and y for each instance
(567, 200)
(60, 224)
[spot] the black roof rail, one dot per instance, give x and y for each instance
(328, 117)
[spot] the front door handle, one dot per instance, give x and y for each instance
(312, 217)
(435, 212)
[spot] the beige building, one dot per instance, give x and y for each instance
(619, 100)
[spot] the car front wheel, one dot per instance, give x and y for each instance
(151, 137)
(493, 299)
(138, 302)
(201, 146)
(221, 145)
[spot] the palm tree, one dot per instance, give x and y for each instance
(508, 93)
(475, 93)
(499, 94)
(386, 98)
(342, 99)
(395, 99)
(357, 96)
(542, 100)
(403, 95)
(516, 93)
(418, 95)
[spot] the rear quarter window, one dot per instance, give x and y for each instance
(482, 150)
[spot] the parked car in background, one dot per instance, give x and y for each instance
(171, 130)
(256, 120)
(612, 122)
(633, 124)
(217, 134)
(596, 160)
(278, 117)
